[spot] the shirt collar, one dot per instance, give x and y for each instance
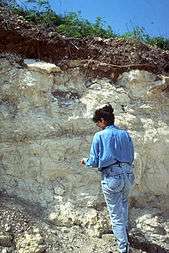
(110, 126)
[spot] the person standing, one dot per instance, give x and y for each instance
(112, 152)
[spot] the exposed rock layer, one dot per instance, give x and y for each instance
(46, 129)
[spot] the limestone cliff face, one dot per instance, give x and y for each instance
(46, 128)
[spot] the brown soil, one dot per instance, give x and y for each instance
(99, 57)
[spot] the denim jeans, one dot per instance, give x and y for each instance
(117, 182)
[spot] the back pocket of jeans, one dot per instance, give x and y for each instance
(115, 183)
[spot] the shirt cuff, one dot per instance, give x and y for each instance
(85, 160)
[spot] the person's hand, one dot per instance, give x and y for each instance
(82, 162)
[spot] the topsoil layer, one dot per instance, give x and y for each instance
(99, 57)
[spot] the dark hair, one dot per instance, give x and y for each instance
(106, 113)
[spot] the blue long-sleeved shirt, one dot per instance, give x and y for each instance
(109, 146)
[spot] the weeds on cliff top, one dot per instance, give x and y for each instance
(139, 33)
(73, 25)
(70, 25)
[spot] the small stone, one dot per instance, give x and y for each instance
(107, 237)
(8, 228)
(5, 250)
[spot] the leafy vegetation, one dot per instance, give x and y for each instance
(160, 42)
(139, 34)
(73, 25)
(47, 18)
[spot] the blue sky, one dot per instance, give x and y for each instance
(121, 15)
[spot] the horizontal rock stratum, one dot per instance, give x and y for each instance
(46, 128)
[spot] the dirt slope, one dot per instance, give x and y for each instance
(102, 57)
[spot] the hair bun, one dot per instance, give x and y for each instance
(106, 113)
(108, 108)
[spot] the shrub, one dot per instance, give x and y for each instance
(74, 26)
(139, 34)
(47, 18)
(160, 42)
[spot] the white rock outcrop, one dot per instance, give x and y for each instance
(46, 128)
